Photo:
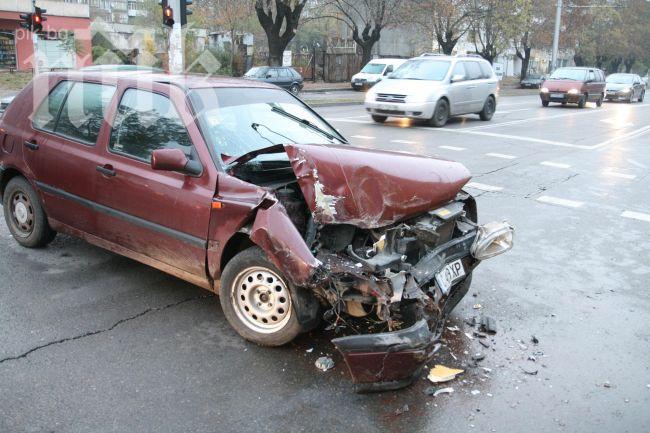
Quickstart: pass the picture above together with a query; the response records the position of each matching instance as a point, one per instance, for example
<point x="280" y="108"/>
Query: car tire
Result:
<point x="599" y="102"/>
<point x="440" y="114"/>
<point x="641" y="96"/>
<point x="25" y="216"/>
<point x="295" y="89"/>
<point x="544" y="103"/>
<point x="378" y="119"/>
<point x="582" y="101"/>
<point x="257" y="300"/>
<point x="489" y="107"/>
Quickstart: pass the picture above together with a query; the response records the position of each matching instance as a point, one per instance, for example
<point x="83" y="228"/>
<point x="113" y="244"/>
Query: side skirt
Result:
<point x="110" y="246"/>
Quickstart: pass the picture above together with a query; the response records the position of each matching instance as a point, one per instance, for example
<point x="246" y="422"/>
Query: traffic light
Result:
<point x="37" y="19"/>
<point x="185" y="11"/>
<point x="26" y="21"/>
<point x="168" y="13"/>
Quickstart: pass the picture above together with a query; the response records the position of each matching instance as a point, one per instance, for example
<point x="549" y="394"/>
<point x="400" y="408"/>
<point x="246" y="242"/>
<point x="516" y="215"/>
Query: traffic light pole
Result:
<point x="35" y="42"/>
<point x="176" y="60"/>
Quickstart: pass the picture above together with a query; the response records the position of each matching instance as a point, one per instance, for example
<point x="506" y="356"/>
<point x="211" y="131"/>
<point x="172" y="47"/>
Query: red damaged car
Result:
<point x="240" y="188"/>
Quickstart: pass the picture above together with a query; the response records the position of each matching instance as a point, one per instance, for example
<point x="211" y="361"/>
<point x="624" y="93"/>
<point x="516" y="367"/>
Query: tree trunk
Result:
<point x="629" y="62"/>
<point x="525" y="61"/>
<point x="284" y="17"/>
<point x="578" y="59"/>
<point x="366" y="40"/>
<point x="366" y="53"/>
<point x="233" y="50"/>
<point x="447" y="42"/>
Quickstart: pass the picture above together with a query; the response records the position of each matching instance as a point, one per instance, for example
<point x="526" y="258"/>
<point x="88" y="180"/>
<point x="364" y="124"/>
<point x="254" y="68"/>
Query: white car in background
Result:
<point x="374" y="71"/>
<point x="434" y="88"/>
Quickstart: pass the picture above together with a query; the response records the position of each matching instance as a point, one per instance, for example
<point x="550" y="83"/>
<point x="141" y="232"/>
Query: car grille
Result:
<point x="390" y="97"/>
<point x="393" y="112"/>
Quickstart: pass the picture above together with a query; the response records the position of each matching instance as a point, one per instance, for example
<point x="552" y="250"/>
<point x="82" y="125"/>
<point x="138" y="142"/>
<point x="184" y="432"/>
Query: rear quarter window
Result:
<point x="473" y="70"/>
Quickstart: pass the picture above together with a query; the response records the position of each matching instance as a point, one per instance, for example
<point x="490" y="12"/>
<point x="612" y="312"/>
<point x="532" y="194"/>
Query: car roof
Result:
<point x="144" y="78"/>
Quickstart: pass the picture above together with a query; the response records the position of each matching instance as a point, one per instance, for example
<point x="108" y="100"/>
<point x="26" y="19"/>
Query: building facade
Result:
<point x="64" y="43"/>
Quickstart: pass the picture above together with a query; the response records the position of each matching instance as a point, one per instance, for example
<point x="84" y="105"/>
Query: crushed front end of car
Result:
<point x="386" y="242"/>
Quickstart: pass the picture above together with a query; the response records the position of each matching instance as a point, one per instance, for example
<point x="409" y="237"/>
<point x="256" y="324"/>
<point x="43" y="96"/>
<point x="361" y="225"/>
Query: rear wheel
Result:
<point x="294" y="89"/>
<point x="440" y="114"/>
<point x="599" y="102"/>
<point x="25" y="216"/>
<point x="582" y="101"/>
<point x="257" y="301"/>
<point x="378" y="119"/>
<point x="641" y="96"/>
<point x="488" y="108"/>
<point x="544" y="103"/>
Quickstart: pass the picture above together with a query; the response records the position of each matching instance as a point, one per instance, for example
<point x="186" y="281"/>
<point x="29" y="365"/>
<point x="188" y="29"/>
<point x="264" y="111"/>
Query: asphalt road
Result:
<point x="91" y="341"/>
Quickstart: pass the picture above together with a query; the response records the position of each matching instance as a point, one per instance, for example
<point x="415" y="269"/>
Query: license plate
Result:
<point x="388" y="107"/>
<point x="557" y="95"/>
<point x="451" y="273"/>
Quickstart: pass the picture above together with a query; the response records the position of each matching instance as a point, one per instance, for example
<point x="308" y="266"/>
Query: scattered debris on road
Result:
<point x="324" y="363"/>
<point x="534" y="340"/>
<point x="401" y="410"/>
<point x="478" y="356"/>
<point x="475" y="392"/>
<point x="488" y="325"/>
<point x="440" y="373"/>
<point x="443" y="391"/>
<point x="530" y="370"/>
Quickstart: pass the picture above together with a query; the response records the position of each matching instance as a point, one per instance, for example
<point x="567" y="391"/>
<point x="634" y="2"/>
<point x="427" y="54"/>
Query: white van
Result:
<point x="373" y="72"/>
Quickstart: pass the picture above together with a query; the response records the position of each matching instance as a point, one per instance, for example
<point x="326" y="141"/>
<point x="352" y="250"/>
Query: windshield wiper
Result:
<point x="234" y="161"/>
<point x="305" y="122"/>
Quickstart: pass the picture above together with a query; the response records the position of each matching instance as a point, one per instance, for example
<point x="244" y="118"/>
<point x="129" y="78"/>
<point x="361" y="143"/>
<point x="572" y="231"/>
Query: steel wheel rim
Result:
<point x="441" y="112"/>
<point x="261" y="300"/>
<point x="490" y="106"/>
<point x="22" y="213"/>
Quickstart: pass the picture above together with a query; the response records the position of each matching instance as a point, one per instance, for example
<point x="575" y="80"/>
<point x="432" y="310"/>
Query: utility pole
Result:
<point x="556" y="35"/>
<point x="176" y="60"/>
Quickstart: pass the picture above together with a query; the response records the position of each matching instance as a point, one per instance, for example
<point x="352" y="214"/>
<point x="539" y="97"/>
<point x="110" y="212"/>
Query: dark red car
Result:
<point x="574" y="86"/>
<point x="240" y="188"/>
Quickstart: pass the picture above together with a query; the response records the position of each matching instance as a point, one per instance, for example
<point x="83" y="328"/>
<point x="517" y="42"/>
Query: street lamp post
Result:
<point x="556" y="35"/>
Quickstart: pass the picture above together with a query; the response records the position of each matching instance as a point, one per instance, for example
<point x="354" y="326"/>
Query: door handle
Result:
<point x="30" y="144"/>
<point x="471" y="87"/>
<point x="106" y="170"/>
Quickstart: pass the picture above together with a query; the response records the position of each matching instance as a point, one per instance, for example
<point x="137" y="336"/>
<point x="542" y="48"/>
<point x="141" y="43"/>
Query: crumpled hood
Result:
<point x="371" y="188"/>
<point x="562" y="85"/>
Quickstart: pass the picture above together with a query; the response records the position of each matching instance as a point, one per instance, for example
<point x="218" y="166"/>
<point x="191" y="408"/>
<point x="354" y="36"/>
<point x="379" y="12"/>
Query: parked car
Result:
<point x="574" y="86"/>
<point x="240" y="188"/>
<point x="282" y="76"/>
<point x="5" y="101"/>
<point x="624" y="87"/>
<point x="373" y="72"/>
<point x="434" y="88"/>
<point x="532" y="81"/>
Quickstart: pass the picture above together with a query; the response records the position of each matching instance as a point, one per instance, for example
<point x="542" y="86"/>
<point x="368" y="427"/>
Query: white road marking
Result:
<point x="617" y="124"/>
<point x="344" y="120"/>
<point x="554" y="164"/>
<point x="511" y="111"/>
<point x="457" y="149"/>
<point x="483" y="187"/>
<point x="404" y="141"/>
<point x="636" y="215"/>
<point x="362" y="137"/>
<point x="611" y="172"/>
<point x="501" y="155"/>
<point x="559" y="201"/>
<point x="518" y="138"/>
<point x="630" y="135"/>
<point x="637" y="163"/>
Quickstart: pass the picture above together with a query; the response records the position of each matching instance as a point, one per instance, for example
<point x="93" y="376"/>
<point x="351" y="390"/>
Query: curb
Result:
<point x="331" y="104"/>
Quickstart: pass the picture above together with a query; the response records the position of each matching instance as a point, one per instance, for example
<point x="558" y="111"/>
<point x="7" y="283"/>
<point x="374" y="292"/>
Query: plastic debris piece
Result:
<point x="607" y="385"/>
<point x="468" y="335"/>
<point x="310" y="350"/>
<point x="529" y="370"/>
<point x="401" y="410"/>
<point x="477" y="306"/>
<point x="484" y="343"/>
<point x="443" y="391"/>
<point x="534" y="340"/>
<point x="440" y="373"/>
<point x="488" y="325"/>
<point x="324" y="363"/>
<point x="453" y="328"/>
<point x="475" y="392"/>
<point x="430" y="390"/>
<point x="478" y="356"/>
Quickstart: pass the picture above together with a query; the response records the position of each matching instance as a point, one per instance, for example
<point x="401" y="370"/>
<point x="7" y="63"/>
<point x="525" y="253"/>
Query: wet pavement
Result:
<point x="92" y="341"/>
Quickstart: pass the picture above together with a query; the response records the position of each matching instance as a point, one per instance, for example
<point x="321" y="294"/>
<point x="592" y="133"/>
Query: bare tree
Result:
<point x="494" y="24"/>
<point x="279" y="19"/>
<point x="536" y="30"/>
<point x="366" y="19"/>
<point x="445" y="20"/>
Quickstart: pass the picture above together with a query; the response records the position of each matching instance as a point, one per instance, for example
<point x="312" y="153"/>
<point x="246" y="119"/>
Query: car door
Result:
<point x="285" y="78"/>
<point x="593" y="85"/>
<point x="478" y="89"/>
<point x="459" y="90"/>
<point x="272" y="76"/>
<point x="163" y="215"/>
<point x="66" y="147"/>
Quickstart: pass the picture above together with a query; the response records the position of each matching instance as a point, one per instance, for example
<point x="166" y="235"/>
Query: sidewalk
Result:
<point x="321" y="86"/>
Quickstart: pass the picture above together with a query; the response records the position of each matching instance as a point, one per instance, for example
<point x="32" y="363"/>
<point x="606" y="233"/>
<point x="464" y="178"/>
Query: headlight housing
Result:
<point x="573" y="91"/>
<point x="626" y="90"/>
<point x="544" y="90"/>
<point x="493" y="239"/>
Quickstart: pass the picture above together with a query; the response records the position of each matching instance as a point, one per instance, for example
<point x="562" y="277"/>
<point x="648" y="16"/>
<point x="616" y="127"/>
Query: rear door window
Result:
<point x="284" y="73"/>
<point x="146" y="121"/>
<point x="272" y="73"/>
<point x="473" y="70"/>
<point x="459" y="69"/>
<point x="83" y="111"/>
<point x="47" y="113"/>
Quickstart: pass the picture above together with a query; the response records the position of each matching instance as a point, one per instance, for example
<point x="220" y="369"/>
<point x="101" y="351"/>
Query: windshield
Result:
<point x="620" y="79"/>
<point x="434" y="70"/>
<point x="237" y="121"/>
<point x="256" y="72"/>
<point x="373" y="68"/>
<point x="569" y="74"/>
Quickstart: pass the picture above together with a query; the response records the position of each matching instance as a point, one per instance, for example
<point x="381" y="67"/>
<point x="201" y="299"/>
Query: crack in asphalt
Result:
<point x="496" y="170"/>
<point x="100" y="331"/>
<point x="546" y="187"/>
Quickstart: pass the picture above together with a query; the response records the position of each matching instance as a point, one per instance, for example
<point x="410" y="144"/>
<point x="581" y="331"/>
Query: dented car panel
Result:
<point x="371" y="188"/>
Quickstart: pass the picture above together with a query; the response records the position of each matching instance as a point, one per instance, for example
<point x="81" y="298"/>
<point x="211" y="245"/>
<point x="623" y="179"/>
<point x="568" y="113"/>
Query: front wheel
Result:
<point x="440" y="114"/>
<point x="641" y="96"/>
<point x="295" y="89"/>
<point x="256" y="300"/>
<point x="599" y="102"/>
<point x="544" y="103"/>
<point x="25" y="216"/>
<point x="488" y="108"/>
<point x="378" y="119"/>
<point x="582" y="101"/>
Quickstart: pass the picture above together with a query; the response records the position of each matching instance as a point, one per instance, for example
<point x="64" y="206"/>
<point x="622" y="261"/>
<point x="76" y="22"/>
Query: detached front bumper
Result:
<point x="392" y="360"/>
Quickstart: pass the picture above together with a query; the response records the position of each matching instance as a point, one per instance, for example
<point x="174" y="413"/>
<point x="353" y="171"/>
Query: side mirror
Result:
<point x="268" y="75"/>
<point x="174" y="160"/>
<point x="457" y="77"/>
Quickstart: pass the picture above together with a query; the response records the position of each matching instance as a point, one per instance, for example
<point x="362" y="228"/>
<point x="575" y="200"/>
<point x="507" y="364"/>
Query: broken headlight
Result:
<point x="493" y="239"/>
